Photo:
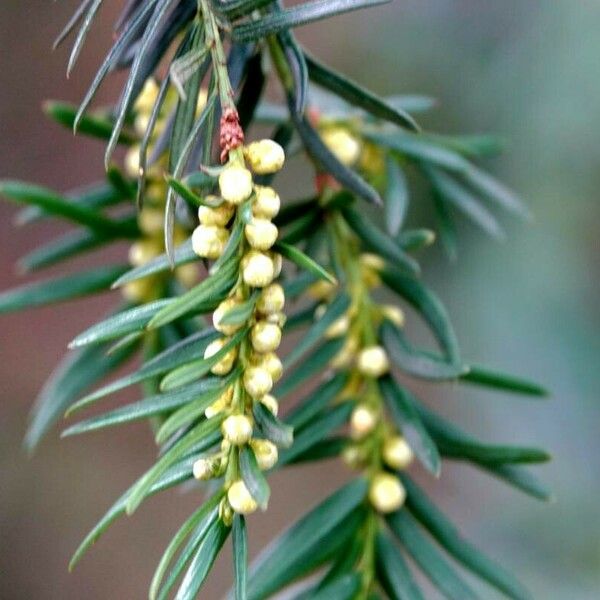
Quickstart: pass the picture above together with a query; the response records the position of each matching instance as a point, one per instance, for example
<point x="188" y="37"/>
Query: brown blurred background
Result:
<point x="525" y="70"/>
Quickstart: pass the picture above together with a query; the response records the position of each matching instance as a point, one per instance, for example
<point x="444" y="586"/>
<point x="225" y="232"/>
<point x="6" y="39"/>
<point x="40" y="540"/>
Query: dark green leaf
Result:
<point x="450" y="539"/>
<point x="318" y="399"/>
<point x="429" y="307"/>
<point x="329" y="448"/>
<point x="493" y="190"/>
<point x="240" y="557"/>
<point x="98" y="126"/>
<point x="240" y="8"/>
<point x="240" y="313"/>
<point x="479" y="375"/>
<point x="253" y="478"/>
<point x="416" y="362"/>
<point x="521" y="479"/>
<point x="203" y="560"/>
<point x="401" y="405"/>
<point x="72" y="244"/>
<point x="334" y="311"/>
<point x="304" y="262"/>
<point x="179" y="354"/>
<point x="395" y="197"/>
<point x="310" y="366"/>
<point x="426" y="555"/>
<point x="316" y="431"/>
<point x="272" y="428"/>
<point x="273" y="568"/>
<point x="446" y="226"/>
<point x="201" y="515"/>
<point x="355" y="94"/>
<point x="343" y="588"/>
<point x="172" y="477"/>
<point x="393" y="571"/>
<point x="121" y="184"/>
<point x="77" y="371"/>
<point x="148" y="407"/>
<point x="415" y="239"/>
<point x="183" y="254"/>
<point x="454" y="443"/>
<point x="420" y="149"/>
<point x="198" y="434"/>
<point x="57" y="290"/>
<point x="186" y="414"/>
<point x="128" y="321"/>
<point x="213" y="288"/>
<point x="453" y="192"/>
<point x="294" y="17"/>
<point x="327" y="162"/>
<point x="377" y="240"/>
<point x="50" y="202"/>
<point x="196" y="369"/>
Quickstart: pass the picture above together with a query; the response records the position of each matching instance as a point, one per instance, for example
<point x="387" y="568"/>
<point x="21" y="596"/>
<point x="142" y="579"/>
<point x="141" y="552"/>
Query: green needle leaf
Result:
<point x="401" y="405"/>
<point x="426" y="555"/>
<point x="299" y="15"/>
<point x="334" y="311"/>
<point x="253" y="478"/>
<point x="59" y="289"/>
<point x="273" y="429"/>
<point x="240" y="557"/>
<point x="483" y="376"/>
<point x="394" y="572"/>
<point x="304" y="262"/>
<point x="450" y="539"/>
<point x="355" y="94"/>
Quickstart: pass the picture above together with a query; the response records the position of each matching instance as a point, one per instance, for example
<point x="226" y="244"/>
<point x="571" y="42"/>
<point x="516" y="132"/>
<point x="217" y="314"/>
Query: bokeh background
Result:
<point x="527" y="70"/>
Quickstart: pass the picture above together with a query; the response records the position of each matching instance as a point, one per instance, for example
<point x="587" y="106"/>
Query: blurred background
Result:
<point x="525" y="70"/>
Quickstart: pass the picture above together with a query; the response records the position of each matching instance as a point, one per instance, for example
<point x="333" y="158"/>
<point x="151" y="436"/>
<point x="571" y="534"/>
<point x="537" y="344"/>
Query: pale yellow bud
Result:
<point x="373" y="361"/>
<point x="257" y="381"/>
<point x="342" y="144"/>
<point x="265" y="337"/>
<point x="372" y="261"/>
<point x="271" y="299"/>
<point x="386" y="493"/>
<point x="156" y="192"/>
<point x="140" y="123"/>
<point x="372" y="159"/>
<point x="226" y="513"/>
<point x="321" y="290"/>
<point x="240" y="499"/>
<point x="208" y="241"/>
<point x="271" y="403"/>
<point x="362" y="421"/>
<point x="147" y="97"/>
<point x="237" y="429"/>
<point x="393" y="313"/>
<point x="220" y="404"/>
<point x="235" y="184"/>
<point x="397" y="453"/>
<point x="140" y="290"/>
<point x="270" y="361"/>
<point x="188" y="275"/>
<point x="338" y="328"/>
<point x="261" y="233"/>
<point x="226" y="363"/>
<point x="266" y="203"/>
<point x="220" y="312"/>
<point x="205" y="468"/>
<point x="346" y="355"/>
<point x="219" y="216"/>
<point x="353" y="456"/>
<point x="132" y="161"/>
<point x="277" y="263"/>
<point x="266" y="453"/>
<point x="143" y="251"/>
<point x="265" y="156"/>
<point x="151" y="220"/>
<point x="258" y="269"/>
<point x="277" y="318"/>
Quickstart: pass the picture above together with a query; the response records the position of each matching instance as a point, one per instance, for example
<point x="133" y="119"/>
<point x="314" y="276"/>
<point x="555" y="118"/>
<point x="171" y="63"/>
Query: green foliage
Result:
<point x="342" y="241"/>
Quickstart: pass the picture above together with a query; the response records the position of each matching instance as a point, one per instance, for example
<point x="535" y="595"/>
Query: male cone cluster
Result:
<point x="241" y="199"/>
